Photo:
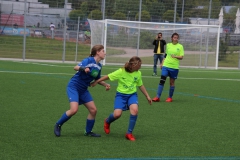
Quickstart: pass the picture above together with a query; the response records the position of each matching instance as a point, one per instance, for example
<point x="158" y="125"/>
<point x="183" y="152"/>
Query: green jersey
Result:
<point x="177" y="50"/>
<point x="127" y="82"/>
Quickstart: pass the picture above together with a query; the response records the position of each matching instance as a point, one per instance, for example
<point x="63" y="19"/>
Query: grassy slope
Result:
<point x="48" y="49"/>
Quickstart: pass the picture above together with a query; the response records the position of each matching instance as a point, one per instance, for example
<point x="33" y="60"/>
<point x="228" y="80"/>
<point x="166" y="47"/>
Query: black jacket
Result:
<point x="162" y="44"/>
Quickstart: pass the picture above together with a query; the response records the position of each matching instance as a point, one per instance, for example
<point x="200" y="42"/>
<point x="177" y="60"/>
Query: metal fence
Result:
<point x="37" y="20"/>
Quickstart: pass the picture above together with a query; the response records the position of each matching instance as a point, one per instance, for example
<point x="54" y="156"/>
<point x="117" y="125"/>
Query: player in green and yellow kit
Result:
<point x="170" y="67"/>
<point x="129" y="78"/>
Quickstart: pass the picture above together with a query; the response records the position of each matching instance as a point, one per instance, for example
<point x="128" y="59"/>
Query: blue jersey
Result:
<point x="82" y="80"/>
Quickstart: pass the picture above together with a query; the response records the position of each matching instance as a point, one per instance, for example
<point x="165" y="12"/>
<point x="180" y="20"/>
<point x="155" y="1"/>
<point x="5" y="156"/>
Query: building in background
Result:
<point x="12" y="12"/>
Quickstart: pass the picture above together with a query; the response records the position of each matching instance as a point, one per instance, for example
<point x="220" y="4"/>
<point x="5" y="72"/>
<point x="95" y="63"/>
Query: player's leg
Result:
<point x="155" y="59"/>
<point x="91" y="119"/>
<point x="119" y="106"/>
<point x="92" y="109"/>
<point x="162" y="81"/>
<point x="74" y="102"/>
<point x="133" y="107"/>
<point x="173" y="73"/>
<point x="69" y="113"/>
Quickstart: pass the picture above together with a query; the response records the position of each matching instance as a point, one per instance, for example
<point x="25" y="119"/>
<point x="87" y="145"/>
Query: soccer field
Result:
<point x="202" y="122"/>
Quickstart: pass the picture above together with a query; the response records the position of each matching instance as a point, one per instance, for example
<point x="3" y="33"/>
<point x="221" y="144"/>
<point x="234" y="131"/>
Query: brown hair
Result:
<point x="132" y="63"/>
<point x="96" y="49"/>
<point x="175" y="34"/>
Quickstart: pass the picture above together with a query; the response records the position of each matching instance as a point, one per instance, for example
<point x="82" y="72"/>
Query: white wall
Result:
<point x="204" y="21"/>
<point x="33" y="7"/>
<point x="32" y="1"/>
<point x="53" y="11"/>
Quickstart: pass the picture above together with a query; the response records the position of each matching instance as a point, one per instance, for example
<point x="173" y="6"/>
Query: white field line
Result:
<point x="215" y="79"/>
<point x="16" y="72"/>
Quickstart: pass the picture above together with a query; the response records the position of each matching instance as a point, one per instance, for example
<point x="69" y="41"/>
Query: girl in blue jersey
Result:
<point x="129" y="78"/>
<point x="77" y="90"/>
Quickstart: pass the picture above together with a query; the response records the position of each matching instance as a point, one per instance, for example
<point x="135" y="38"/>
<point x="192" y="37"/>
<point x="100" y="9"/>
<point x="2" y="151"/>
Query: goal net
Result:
<point x="124" y="39"/>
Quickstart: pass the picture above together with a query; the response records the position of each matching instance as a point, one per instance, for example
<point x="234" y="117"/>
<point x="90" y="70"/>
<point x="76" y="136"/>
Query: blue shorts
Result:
<point x="170" y="72"/>
<point x="123" y="101"/>
<point x="81" y="97"/>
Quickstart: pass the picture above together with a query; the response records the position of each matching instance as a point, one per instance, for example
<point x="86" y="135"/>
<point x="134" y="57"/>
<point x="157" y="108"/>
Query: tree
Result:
<point x="131" y="8"/>
<point x="93" y="5"/>
<point x="145" y="39"/>
<point x="215" y="8"/>
<point x="168" y="16"/>
<point x="109" y="8"/>
<point x="145" y="16"/>
<point x="119" y="16"/>
<point x="95" y="14"/>
<point x="156" y="9"/>
<point x="187" y="15"/>
<point x="84" y="8"/>
<point x="74" y="14"/>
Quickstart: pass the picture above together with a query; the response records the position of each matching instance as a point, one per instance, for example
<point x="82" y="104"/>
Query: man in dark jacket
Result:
<point x="158" y="52"/>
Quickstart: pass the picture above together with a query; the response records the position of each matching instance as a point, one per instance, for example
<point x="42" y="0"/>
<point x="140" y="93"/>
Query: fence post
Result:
<point x="239" y="60"/>
<point x="77" y="40"/>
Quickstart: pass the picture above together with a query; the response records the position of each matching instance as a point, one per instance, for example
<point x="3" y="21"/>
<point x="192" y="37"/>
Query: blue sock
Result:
<point x="89" y="125"/>
<point x="63" y="119"/>
<point x="159" y="91"/>
<point x="110" y="119"/>
<point x="132" y="122"/>
<point x="171" y="90"/>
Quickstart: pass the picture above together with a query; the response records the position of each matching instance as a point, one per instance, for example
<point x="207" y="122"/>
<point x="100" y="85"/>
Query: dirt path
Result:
<point x="148" y="52"/>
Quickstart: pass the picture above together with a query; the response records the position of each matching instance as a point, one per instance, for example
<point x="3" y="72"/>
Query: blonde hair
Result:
<point x="134" y="61"/>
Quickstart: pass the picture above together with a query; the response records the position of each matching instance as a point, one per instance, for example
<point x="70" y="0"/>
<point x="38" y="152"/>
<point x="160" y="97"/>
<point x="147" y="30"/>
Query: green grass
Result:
<point x="202" y="121"/>
<point x="49" y="49"/>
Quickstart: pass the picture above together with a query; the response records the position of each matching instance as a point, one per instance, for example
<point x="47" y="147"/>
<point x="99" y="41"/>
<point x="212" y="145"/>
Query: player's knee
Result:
<point x="162" y="80"/>
<point x="73" y="111"/>
<point x="93" y="111"/>
<point x="134" y="109"/>
<point x="117" y="114"/>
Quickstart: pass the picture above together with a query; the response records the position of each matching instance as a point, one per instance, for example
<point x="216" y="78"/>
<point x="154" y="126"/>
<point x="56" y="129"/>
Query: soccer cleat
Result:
<point x="91" y="134"/>
<point x="57" y="130"/>
<point x="156" y="99"/>
<point x="154" y="74"/>
<point x="169" y="99"/>
<point x="130" y="137"/>
<point x="106" y="127"/>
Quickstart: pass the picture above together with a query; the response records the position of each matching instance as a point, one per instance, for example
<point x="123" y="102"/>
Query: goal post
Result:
<point x="124" y="39"/>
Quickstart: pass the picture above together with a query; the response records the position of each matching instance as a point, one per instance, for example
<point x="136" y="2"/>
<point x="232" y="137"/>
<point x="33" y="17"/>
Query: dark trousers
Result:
<point x="156" y="57"/>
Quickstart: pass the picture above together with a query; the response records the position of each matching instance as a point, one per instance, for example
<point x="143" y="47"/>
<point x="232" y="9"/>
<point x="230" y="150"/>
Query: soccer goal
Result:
<point x="124" y="39"/>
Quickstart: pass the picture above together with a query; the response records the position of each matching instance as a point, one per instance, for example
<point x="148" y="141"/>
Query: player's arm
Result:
<point x="100" y="81"/>
<point x="106" y="85"/>
<point x="81" y="68"/>
<point x="144" y="91"/>
<point x="178" y="57"/>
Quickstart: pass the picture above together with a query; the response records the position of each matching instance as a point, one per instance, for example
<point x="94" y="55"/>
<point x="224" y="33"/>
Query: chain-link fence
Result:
<point x="39" y="15"/>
